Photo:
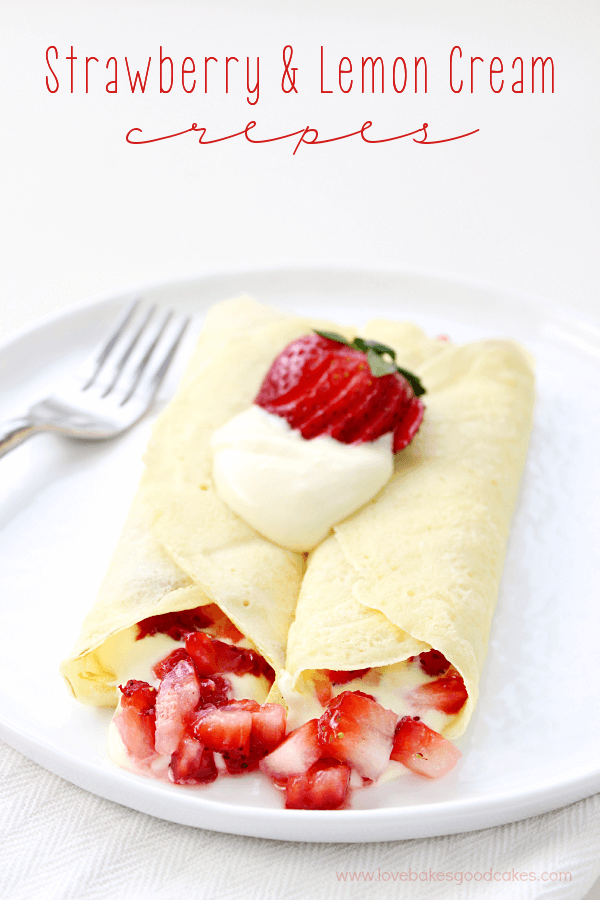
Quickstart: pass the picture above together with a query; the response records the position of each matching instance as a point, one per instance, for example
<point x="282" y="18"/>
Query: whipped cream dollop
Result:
<point x="290" y="489"/>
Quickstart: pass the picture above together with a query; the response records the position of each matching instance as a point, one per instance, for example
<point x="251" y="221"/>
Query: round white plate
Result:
<point x="534" y="741"/>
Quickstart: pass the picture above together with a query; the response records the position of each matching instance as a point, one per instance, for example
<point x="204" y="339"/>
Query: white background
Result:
<point x="83" y="213"/>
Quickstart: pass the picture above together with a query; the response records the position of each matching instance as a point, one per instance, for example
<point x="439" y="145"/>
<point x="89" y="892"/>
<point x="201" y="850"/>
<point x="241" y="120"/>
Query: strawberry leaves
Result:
<point x="376" y="354"/>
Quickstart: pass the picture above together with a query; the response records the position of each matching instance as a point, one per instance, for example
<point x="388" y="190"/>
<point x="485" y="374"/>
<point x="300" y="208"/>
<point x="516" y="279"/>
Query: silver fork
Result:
<point x="113" y="388"/>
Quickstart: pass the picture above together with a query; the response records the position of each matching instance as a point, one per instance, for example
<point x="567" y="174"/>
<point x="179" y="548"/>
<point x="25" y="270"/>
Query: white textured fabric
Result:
<point x="60" y="843"/>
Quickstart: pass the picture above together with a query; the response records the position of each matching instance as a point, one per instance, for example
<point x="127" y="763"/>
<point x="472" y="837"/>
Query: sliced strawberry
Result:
<point x="342" y="677"/>
<point x="136" y="719"/>
<point x="423" y="750"/>
<point x="322" y="386"/>
<point x="169" y="662"/>
<point x="224" y="729"/>
<point x="192" y="762"/>
<point x="175" y="624"/>
<point x="177" y="697"/>
<point x="268" y="725"/>
<point x="200" y="648"/>
<point x="410" y="423"/>
<point x="324" y="786"/>
<point x="357" y="730"/>
<point x="433" y="662"/>
<point x="448" y="694"/>
<point x="296" y="754"/>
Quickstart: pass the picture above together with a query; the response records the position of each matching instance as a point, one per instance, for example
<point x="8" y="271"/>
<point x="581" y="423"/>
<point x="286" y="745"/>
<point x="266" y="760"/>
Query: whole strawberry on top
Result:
<point x="354" y="392"/>
<point x="318" y="441"/>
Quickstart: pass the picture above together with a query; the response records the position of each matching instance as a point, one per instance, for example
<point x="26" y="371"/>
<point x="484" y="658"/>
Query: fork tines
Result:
<point x="136" y="355"/>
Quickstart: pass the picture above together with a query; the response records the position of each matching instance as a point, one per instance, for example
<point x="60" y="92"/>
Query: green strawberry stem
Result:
<point x="375" y="353"/>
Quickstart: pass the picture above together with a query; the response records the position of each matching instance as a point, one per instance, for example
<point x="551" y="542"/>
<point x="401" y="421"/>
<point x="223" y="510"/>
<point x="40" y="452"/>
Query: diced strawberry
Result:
<point x="268" y="725"/>
<point x="423" y="750"/>
<point x="136" y="719"/>
<point x="448" y="694"/>
<point x="324" y="786"/>
<point x="192" y="762"/>
<point x="249" y="705"/>
<point x="177" y="697"/>
<point x="357" y="730"/>
<point x="433" y="662"/>
<point x="138" y="695"/>
<point x="267" y="731"/>
<point x="224" y="729"/>
<point x="200" y="648"/>
<point x="240" y="762"/>
<point x="296" y="754"/>
<point x="175" y="624"/>
<point x="324" y="386"/>
<point x="222" y="626"/>
<point x="322" y="686"/>
<point x="241" y="661"/>
<point x="214" y="691"/>
<point x="343" y="677"/>
<point x="169" y="662"/>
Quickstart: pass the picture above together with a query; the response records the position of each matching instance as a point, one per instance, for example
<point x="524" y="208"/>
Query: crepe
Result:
<point x="419" y="567"/>
<point x="181" y="546"/>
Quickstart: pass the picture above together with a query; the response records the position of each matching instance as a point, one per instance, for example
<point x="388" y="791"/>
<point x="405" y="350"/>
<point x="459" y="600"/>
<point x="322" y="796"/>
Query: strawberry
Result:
<point x="200" y="648"/>
<point x="321" y="384"/>
<point x="241" y="661"/>
<point x="448" y="694"/>
<point x="222" y="626"/>
<point x="357" y="730"/>
<point x="223" y="729"/>
<point x="242" y="731"/>
<point x="136" y="720"/>
<point x="175" y="624"/>
<point x="214" y="691"/>
<point x="268" y="725"/>
<point x="433" y="662"/>
<point x="324" y="786"/>
<point x="192" y="763"/>
<point x="295" y="755"/>
<point x="169" y="662"/>
<point x="177" y="697"/>
<point x="342" y="676"/>
<point x="322" y="686"/>
<point x="423" y="750"/>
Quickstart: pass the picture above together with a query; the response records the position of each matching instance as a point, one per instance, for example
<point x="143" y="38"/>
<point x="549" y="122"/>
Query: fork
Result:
<point x="113" y="388"/>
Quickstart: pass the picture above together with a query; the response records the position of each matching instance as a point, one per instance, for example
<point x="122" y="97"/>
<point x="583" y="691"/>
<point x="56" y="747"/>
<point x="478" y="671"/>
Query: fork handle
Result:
<point x="15" y="431"/>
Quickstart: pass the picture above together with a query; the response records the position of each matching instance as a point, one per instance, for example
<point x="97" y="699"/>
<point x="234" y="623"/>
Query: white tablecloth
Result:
<point x="61" y="843"/>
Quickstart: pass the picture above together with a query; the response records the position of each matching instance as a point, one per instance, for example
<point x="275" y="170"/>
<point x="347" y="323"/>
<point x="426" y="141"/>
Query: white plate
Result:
<point x="534" y="742"/>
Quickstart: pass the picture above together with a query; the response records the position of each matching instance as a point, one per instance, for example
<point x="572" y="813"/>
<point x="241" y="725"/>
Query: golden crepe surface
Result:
<point x="417" y="567"/>
<point x="181" y="546"/>
<point x="420" y="565"/>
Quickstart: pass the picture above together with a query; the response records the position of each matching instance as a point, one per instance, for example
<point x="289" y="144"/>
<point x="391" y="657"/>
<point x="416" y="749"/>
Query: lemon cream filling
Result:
<point x="390" y="686"/>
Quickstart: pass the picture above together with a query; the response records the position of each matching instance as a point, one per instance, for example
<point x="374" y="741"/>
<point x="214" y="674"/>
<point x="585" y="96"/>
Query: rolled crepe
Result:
<point x="181" y="546"/>
<point x="419" y="567"/>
